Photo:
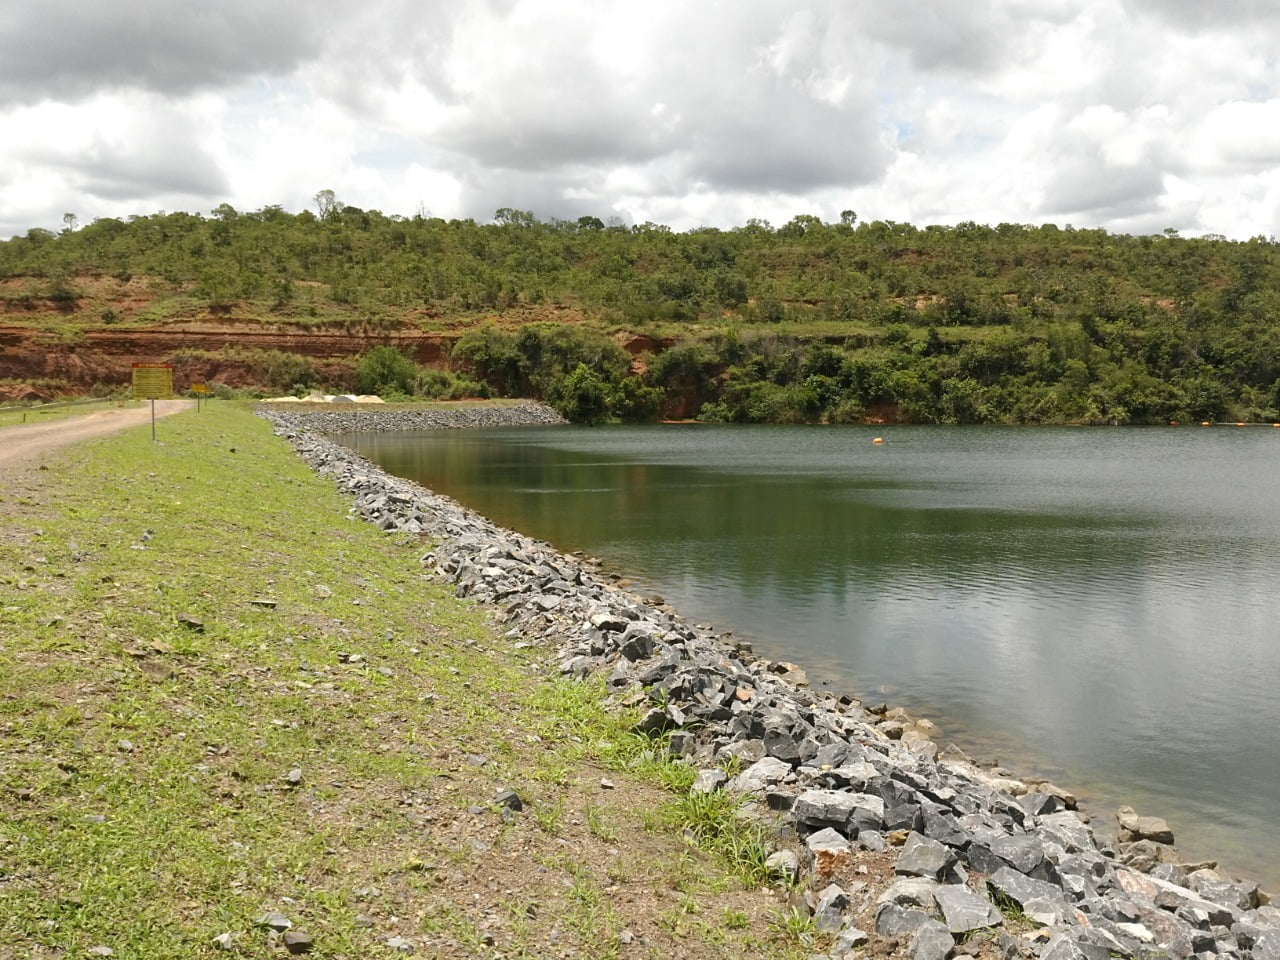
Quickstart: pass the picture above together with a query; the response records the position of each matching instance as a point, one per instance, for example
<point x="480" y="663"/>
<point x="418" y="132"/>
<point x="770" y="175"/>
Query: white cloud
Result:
<point x="1131" y="116"/>
<point x="1239" y="137"/>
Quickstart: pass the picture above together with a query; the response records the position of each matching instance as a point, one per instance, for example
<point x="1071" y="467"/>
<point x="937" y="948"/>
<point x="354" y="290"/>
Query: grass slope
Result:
<point x="221" y="695"/>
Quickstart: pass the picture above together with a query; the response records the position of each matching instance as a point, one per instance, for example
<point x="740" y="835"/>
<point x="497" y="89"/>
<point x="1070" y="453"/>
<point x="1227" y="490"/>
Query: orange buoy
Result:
<point x="1204" y="423"/>
<point x="1173" y="423"/>
<point x="878" y="440"/>
<point x="1239" y="424"/>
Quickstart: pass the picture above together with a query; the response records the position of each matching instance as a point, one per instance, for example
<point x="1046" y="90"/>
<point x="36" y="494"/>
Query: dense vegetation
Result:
<point x="807" y="321"/>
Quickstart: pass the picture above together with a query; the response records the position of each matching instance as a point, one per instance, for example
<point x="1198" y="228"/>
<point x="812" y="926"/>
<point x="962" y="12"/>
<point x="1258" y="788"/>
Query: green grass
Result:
<point x="714" y="822"/>
<point x="151" y="713"/>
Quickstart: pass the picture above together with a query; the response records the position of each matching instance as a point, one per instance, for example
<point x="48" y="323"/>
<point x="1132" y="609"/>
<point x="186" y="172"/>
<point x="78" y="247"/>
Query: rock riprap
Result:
<point x="976" y="850"/>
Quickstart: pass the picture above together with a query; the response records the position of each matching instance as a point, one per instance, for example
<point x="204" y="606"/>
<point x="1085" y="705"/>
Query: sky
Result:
<point x="1132" y="115"/>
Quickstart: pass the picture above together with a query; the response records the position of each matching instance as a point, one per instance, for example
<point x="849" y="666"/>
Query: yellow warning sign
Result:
<point x="152" y="381"/>
<point x="199" y="388"/>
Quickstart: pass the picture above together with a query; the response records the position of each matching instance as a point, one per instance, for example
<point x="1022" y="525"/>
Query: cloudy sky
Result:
<point x="1134" y="115"/>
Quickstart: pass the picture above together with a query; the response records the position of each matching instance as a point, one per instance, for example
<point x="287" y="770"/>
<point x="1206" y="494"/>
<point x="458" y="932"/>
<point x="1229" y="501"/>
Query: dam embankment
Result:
<point x="970" y="849"/>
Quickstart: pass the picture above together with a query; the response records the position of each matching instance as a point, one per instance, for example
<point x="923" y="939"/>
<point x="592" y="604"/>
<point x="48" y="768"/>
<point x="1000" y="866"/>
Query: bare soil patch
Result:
<point x="25" y="445"/>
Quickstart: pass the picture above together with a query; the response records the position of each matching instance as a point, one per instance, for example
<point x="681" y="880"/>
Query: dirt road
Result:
<point x="24" y="445"/>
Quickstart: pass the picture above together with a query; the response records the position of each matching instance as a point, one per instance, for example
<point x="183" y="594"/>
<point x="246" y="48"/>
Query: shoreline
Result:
<point x="846" y="781"/>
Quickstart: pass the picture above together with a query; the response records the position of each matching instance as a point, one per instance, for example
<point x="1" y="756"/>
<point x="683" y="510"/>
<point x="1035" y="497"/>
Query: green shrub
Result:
<point x="445" y="385"/>
<point x="283" y="371"/>
<point x="633" y="402"/>
<point x="385" y="371"/>
<point x="581" y="397"/>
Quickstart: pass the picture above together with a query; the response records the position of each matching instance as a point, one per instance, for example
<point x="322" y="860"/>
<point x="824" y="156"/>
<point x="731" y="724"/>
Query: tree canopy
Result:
<point x="803" y="321"/>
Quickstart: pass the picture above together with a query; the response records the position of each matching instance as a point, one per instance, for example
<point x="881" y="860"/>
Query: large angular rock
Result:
<point x="911" y="891"/>
<point x="708" y="781"/>
<point x="964" y="910"/>
<point x="782" y="744"/>
<point x="637" y="647"/>
<point x="868" y="812"/>
<point x="922" y="857"/>
<point x="941" y="826"/>
<point x="823" y="807"/>
<point x="895" y="920"/>
<point x="1041" y="901"/>
<point x="828" y="915"/>
<point x="1164" y="926"/>
<point x="762" y="774"/>
<point x="1145" y="855"/>
<point x="1266" y="946"/>
<point x="1134" y="827"/>
<point x="609" y="621"/>
<point x="1212" y="886"/>
<point x="1037" y="804"/>
<point x="848" y="941"/>
<point x="1024" y="854"/>
<point x="746" y="751"/>
<point x="1065" y="946"/>
<point x="1171" y="897"/>
<point x="1067" y="830"/>
<point x="904" y="816"/>
<point x="831" y="756"/>
<point x="784" y="864"/>
<point x="932" y="941"/>
<point x="851" y="776"/>
<point x="831" y="852"/>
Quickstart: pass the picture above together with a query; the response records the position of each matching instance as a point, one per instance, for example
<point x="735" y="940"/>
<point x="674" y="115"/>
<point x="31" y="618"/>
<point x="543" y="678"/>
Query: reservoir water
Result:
<point x="1099" y="606"/>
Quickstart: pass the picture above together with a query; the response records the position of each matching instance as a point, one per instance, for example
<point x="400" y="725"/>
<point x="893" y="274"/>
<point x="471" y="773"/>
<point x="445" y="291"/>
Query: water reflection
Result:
<point x="1102" y="601"/>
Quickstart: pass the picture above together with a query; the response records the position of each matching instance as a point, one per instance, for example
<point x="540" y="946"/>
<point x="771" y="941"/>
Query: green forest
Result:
<point x="805" y="321"/>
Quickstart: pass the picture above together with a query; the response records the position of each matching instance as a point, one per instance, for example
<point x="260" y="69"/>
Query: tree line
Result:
<point x="802" y="322"/>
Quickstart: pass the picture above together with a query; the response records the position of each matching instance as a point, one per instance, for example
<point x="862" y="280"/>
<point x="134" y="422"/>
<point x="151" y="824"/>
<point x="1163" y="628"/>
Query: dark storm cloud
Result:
<point x="968" y="37"/>
<point x="1226" y="15"/>
<point x="1089" y="185"/>
<point x="119" y="177"/>
<point x="557" y="113"/>
<point x="789" y="145"/>
<point x="68" y="49"/>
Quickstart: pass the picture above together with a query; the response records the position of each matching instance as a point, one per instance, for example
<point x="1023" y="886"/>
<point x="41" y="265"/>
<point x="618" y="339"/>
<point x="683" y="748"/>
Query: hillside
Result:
<point x="807" y="321"/>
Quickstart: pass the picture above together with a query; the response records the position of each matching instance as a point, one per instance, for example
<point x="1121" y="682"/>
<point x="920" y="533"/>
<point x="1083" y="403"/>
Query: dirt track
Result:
<point x="24" y="445"/>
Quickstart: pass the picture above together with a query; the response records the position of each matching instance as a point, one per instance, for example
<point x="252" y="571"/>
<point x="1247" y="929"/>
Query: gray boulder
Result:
<point x="911" y="891"/>
<point x="848" y="941"/>
<point x="964" y="910"/>
<point x="828" y="915"/>
<point x="922" y="857"/>
<point x="1266" y="945"/>
<point x="895" y="920"/>
<point x="823" y="807"/>
<point x="763" y="773"/>
<point x="830" y="851"/>
<point x="1134" y="827"/>
<point x="932" y="941"/>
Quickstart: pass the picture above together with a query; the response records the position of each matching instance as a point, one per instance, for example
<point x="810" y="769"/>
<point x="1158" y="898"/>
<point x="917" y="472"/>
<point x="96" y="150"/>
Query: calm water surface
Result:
<point x="1099" y="606"/>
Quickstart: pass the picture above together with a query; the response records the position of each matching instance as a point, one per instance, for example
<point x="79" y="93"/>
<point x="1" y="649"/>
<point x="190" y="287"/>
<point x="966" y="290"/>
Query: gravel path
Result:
<point x="26" y="444"/>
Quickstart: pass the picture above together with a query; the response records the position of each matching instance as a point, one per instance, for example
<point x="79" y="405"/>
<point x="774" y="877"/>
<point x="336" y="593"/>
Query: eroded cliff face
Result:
<point x="44" y="363"/>
<point x="227" y="354"/>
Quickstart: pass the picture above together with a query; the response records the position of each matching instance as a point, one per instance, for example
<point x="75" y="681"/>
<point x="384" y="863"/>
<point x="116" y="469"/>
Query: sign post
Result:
<point x="200" y="390"/>
<point x="152" y="381"/>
